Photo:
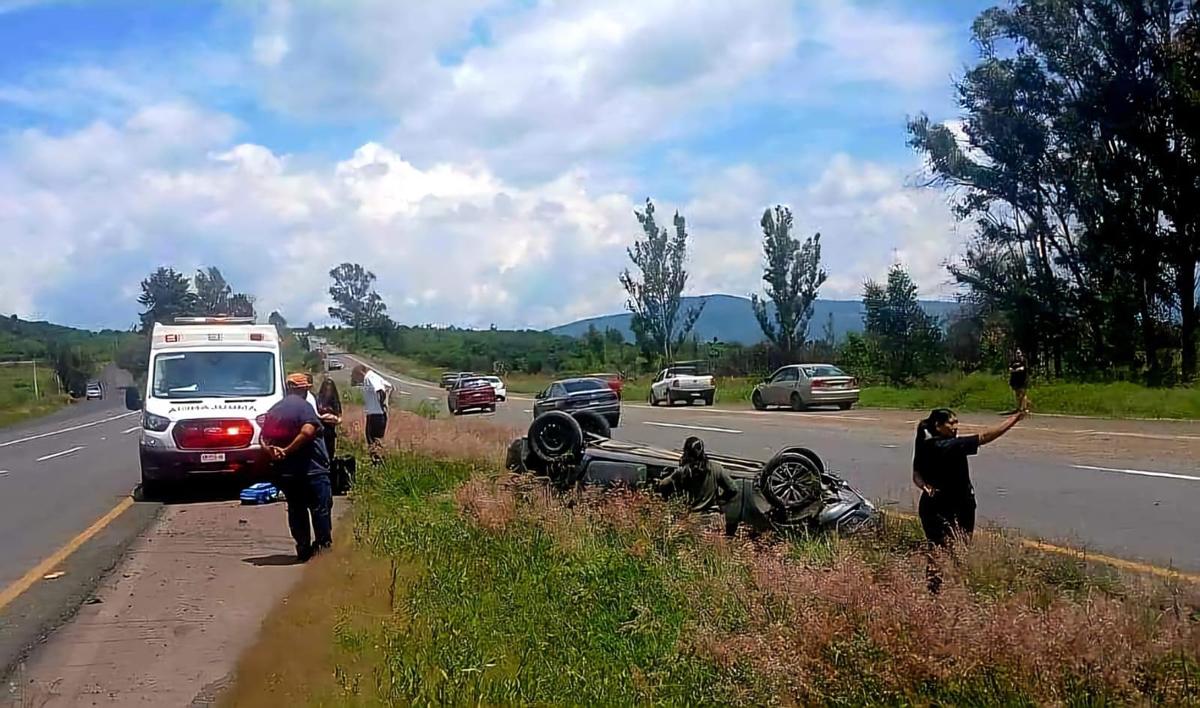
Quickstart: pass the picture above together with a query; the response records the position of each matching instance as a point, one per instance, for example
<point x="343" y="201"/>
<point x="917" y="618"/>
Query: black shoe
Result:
<point x="322" y="547"/>
<point x="303" y="555"/>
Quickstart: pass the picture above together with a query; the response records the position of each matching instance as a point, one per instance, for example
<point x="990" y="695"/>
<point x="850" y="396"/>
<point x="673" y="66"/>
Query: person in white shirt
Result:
<point x="376" y="391"/>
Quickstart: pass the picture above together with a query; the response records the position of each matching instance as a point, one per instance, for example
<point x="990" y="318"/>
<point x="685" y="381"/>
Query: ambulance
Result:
<point x="209" y="384"/>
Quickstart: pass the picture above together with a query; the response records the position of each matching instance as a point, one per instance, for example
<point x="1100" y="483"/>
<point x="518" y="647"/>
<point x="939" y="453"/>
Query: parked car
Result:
<point x="498" y="384"/>
<point x="793" y="492"/>
<point x="682" y="382"/>
<point x="614" y="381"/>
<point x="93" y="391"/>
<point x="578" y="394"/>
<point x="801" y="385"/>
<point x="471" y="392"/>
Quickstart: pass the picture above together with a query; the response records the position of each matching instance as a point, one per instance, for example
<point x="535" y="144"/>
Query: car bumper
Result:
<point x="175" y="465"/>
<point x="833" y="397"/>
<point x="611" y="412"/>
<point x="684" y="394"/>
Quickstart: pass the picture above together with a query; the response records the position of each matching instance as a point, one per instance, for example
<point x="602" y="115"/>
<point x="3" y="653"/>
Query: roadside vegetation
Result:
<point x="455" y="583"/>
<point x="17" y="399"/>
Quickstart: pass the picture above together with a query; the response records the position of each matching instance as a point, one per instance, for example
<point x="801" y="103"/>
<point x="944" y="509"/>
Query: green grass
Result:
<point x="17" y="402"/>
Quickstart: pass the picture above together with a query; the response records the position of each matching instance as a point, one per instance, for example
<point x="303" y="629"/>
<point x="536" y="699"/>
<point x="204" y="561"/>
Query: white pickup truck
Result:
<point x="682" y="383"/>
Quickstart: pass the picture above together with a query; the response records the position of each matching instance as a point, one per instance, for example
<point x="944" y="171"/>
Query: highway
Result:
<point x="1129" y="489"/>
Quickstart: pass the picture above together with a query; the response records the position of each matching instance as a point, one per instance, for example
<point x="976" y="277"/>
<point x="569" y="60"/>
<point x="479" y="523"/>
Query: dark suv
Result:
<point x="582" y="394"/>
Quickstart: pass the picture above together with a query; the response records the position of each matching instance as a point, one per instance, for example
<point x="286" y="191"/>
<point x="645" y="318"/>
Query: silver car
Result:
<point x="801" y="385"/>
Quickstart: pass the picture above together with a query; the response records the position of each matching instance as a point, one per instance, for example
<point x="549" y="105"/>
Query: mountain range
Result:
<point x="730" y="318"/>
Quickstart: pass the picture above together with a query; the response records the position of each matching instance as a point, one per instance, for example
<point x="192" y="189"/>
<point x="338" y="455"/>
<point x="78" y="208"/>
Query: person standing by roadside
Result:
<point x="1018" y="379"/>
<point x="376" y="391"/>
<point x="294" y="439"/>
<point x="329" y="409"/>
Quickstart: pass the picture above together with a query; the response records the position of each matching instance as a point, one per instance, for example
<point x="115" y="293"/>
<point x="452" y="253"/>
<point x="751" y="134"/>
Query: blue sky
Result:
<point x="482" y="157"/>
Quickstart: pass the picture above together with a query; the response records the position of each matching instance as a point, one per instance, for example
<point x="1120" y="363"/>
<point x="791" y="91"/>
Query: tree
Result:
<point x="356" y="304"/>
<point x="655" y="298"/>
<point x="1080" y="165"/>
<point x="793" y="275"/>
<point x="166" y="295"/>
<point x="277" y="320"/>
<point x="906" y="339"/>
<point x="241" y="305"/>
<point x="212" y="292"/>
<point x="72" y="367"/>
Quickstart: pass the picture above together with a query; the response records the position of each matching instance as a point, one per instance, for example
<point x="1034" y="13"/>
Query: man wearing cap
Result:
<point x="292" y="434"/>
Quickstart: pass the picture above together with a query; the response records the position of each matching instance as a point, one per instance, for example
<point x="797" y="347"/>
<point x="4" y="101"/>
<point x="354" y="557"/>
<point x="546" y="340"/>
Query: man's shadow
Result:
<point x="276" y="559"/>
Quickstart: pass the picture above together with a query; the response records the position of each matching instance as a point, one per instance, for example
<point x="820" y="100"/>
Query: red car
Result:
<point x="614" y="381"/>
<point x="470" y="393"/>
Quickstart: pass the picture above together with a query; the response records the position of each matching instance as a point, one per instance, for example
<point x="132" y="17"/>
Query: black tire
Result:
<point x="844" y="406"/>
<point x="790" y="481"/>
<point x="154" y="489"/>
<point x="708" y="400"/>
<point x="614" y="422"/>
<point x="812" y="456"/>
<point x="555" y="436"/>
<point x="757" y="401"/>
<point x="514" y="461"/>
<point x="797" y="402"/>
<point x="593" y="423"/>
<point x="653" y="400"/>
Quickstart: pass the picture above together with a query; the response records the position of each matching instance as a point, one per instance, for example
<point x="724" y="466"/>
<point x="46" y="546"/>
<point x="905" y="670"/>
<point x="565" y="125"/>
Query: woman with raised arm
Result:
<point x="942" y="473"/>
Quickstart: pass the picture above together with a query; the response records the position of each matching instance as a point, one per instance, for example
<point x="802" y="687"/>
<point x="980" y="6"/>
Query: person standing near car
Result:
<point x="293" y="434"/>
<point x="376" y="391"/>
<point x="1018" y="379"/>
<point x="329" y="409"/>
<point x="942" y="473"/>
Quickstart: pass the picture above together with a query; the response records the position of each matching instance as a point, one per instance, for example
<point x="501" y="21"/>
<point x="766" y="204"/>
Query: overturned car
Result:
<point x="791" y="492"/>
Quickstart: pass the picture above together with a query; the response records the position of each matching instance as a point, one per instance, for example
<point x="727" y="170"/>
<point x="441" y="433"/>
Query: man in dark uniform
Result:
<point x="293" y="435"/>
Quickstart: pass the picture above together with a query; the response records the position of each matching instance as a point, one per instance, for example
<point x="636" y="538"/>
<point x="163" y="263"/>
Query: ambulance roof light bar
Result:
<point x="214" y="320"/>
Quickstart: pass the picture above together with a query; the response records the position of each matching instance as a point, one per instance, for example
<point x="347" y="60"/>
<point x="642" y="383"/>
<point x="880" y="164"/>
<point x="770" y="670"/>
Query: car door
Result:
<point x="782" y="386"/>
<point x="804" y="383"/>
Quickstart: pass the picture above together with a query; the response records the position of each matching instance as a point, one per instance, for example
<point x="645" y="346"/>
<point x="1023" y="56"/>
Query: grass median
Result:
<point x="17" y="399"/>
<point x="456" y="583"/>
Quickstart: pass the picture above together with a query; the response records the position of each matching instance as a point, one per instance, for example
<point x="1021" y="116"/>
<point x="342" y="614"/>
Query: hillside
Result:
<point x="731" y="319"/>
<point x="22" y="339"/>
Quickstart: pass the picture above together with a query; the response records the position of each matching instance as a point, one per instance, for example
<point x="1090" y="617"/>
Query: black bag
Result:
<point x="341" y="473"/>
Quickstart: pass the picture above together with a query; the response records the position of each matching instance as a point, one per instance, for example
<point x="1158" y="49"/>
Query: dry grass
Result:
<point x="619" y="597"/>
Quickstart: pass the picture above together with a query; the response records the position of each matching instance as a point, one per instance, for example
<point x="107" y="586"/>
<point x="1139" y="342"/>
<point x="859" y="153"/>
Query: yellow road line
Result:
<point x="35" y="574"/>
<point x="1122" y="563"/>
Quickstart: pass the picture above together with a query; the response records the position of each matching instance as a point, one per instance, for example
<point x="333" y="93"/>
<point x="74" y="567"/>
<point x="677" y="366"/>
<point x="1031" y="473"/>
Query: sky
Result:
<point x="484" y="158"/>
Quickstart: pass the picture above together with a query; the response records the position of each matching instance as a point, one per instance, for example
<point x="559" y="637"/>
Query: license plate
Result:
<point x="212" y="457"/>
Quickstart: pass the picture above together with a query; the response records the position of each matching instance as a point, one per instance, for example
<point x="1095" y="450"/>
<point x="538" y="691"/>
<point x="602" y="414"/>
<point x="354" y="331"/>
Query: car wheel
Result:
<point x="844" y="406"/>
<point x="757" y="401"/>
<point x="154" y="489"/>
<point x="797" y="402"/>
<point x="791" y="481"/>
<point x="555" y="437"/>
<point x="593" y="423"/>
<point x="708" y="400"/>
<point x="652" y="400"/>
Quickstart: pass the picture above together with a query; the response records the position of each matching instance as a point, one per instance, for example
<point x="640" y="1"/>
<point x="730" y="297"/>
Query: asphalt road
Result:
<point x="1038" y="479"/>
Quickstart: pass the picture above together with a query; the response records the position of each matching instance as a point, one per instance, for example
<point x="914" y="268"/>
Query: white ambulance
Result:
<point x="209" y="383"/>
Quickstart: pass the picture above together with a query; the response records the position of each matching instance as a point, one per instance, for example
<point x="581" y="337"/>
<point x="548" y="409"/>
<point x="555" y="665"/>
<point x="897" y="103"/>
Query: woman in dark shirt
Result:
<point x="1018" y="379"/>
<point x="329" y="408"/>
<point x="941" y="472"/>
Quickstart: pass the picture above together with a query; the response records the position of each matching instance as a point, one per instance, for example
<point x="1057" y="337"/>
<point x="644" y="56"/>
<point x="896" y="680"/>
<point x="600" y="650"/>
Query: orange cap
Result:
<point x="298" y="381"/>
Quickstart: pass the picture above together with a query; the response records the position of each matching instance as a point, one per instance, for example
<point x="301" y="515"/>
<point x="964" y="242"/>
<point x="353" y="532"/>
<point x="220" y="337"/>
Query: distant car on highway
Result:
<point x="471" y="392"/>
<point x="614" y="381"/>
<point x="498" y="384"/>
<point x="801" y="385"/>
<point x="336" y="365"/>
<point x="94" y="391"/>
<point x="579" y="394"/>
<point x="682" y="382"/>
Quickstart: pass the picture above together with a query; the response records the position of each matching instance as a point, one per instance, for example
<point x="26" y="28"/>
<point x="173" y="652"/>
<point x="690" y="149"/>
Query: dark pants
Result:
<point x="376" y="427"/>
<point x="330" y="434"/>
<point x="942" y="517"/>
<point x="309" y="496"/>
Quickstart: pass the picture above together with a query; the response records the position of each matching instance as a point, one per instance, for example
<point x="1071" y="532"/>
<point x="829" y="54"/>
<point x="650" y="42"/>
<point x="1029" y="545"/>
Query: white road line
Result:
<point x="81" y="426"/>
<point x="3" y="472"/>
<point x="77" y="448"/>
<point x="1141" y="473"/>
<point x="781" y="415"/>
<point x="527" y="411"/>
<point x="695" y="427"/>
<point x="134" y="429"/>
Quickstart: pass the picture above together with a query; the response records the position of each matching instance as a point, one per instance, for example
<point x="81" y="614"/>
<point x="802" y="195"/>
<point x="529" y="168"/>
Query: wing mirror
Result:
<point x="133" y="400"/>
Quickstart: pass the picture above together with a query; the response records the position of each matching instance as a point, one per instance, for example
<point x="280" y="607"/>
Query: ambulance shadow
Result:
<point x="189" y="494"/>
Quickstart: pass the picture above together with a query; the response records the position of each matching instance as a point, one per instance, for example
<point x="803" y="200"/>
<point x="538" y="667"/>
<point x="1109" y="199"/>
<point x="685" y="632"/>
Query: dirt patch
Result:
<point x="173" y="617"/>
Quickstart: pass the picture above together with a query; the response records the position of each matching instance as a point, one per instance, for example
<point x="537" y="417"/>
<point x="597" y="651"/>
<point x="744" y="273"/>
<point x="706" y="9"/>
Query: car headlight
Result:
<point x="156" y="423"/>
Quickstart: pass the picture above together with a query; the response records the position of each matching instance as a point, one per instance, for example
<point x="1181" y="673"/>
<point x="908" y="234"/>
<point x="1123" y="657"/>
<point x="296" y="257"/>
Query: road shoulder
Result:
<point x="172" y="619"/>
